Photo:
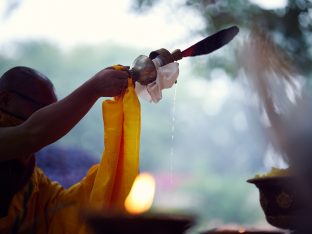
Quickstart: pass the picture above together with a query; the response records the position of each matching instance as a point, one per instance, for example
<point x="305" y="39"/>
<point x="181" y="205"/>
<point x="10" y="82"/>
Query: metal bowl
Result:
<point x="281" y="201"/>
<point x="138" y="224"/>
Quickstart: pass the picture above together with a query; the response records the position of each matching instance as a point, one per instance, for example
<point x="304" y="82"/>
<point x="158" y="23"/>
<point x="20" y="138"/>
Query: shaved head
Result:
<point x="24" y="90"/>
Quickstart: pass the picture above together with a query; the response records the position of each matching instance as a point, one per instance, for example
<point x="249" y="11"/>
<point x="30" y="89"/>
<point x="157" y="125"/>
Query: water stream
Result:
<point x="173" y="110"/>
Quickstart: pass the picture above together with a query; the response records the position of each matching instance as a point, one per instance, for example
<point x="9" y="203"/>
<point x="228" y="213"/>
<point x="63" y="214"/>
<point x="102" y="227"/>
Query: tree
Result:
<point x="290" y="26"/>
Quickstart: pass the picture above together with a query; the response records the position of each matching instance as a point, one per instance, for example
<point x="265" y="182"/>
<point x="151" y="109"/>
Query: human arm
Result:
<point x="50" y="123"/>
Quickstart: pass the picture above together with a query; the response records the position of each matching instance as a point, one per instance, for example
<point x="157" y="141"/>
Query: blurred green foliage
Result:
<point x="290" y="27"/>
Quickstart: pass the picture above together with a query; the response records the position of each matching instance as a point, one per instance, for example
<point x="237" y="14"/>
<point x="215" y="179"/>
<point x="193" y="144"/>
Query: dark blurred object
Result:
<point x="240" y="231"/>
<point x="281" y="201"/>
<point x="211" y="43"/>
<point x="139" y="224"/>
<point x="64" y="164"/>
<point x="287" y="104"/>
<point x="277" y="83"/>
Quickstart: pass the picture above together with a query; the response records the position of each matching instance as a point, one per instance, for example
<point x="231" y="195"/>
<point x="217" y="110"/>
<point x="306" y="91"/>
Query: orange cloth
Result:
<point x="43" y="206"/>
<point x="122" y="138"/>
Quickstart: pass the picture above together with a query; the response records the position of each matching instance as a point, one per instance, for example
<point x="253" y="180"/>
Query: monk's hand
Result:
<point x="110" y="82"/>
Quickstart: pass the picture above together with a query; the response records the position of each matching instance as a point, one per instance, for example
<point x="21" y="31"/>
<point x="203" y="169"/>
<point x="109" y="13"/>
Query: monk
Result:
<point x="31" y="118"/>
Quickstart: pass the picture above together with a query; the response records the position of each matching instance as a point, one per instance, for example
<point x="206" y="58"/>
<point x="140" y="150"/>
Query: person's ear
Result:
<point x="4" y="98"/>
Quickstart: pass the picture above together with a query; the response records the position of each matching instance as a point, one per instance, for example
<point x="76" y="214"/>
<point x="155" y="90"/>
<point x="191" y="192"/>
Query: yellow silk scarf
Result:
<point x="120" y="160"/>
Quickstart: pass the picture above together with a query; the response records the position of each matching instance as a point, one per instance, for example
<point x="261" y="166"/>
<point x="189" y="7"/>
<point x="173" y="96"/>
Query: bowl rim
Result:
<point x="270" y="179"/>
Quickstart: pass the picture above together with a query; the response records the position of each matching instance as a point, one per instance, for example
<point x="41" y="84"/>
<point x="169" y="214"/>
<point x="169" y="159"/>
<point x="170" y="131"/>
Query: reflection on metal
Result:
<point x="143" y="70"/>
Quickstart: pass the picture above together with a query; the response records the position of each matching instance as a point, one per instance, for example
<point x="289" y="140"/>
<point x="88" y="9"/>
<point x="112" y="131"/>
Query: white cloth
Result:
<point x="166" y="77"/>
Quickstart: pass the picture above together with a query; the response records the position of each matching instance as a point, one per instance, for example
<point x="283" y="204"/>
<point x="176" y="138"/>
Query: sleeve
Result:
<point x="60" y="209"/>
